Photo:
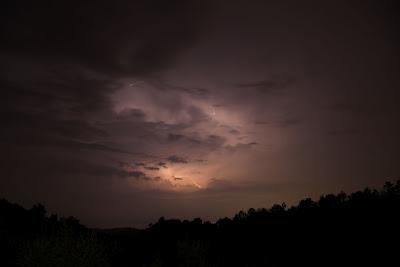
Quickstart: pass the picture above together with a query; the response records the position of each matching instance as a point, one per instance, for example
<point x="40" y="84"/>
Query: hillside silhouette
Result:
<point x="338" y="229"/>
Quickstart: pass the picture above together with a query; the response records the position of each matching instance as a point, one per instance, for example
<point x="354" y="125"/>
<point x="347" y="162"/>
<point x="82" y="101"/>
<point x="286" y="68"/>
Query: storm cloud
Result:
<point x="224" y="104"/>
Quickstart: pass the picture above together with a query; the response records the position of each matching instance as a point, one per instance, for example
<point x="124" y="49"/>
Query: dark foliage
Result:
<point x="30" y="238"/>
<point x="340" y="229"/>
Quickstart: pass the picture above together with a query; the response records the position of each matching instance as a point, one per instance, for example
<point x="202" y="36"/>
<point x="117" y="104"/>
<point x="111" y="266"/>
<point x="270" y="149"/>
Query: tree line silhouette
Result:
<point x="338" y="229"/>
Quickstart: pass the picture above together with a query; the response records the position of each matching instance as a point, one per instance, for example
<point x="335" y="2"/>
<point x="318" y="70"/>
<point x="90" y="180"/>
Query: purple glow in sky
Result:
<point x="120" y="113"/>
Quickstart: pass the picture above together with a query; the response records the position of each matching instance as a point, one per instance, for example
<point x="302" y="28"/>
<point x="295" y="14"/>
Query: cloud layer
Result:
<point x="119" y="113"/>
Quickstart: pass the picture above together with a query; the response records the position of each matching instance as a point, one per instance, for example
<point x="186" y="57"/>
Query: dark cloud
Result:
<point x="133" y="113"/>
<point x="177" y="159"/>
<point x="267" y="86"/>
<point x="162" y="164"/>
<point x="207" y="143"/>
<point x="240" y="147"/>
<point x="61" y="62"/>
<point x="119" y="36"/>
<point x="234" y="132"/>
<point x="136" y="174"/>
<point x="214" y="141"/>
<point x="151" y="168"/>
<point x="174" y="137"/>
<point x="192" y="91"/>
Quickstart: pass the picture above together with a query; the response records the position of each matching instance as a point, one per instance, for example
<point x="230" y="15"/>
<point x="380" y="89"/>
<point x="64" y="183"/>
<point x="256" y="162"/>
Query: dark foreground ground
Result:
<point x="356" y="229"/>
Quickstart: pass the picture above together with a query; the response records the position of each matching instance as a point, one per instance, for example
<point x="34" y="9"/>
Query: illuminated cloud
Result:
<point x="194" y="108"/>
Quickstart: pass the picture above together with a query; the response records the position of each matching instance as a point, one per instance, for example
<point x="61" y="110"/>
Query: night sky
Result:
<point x="120" y="112"/>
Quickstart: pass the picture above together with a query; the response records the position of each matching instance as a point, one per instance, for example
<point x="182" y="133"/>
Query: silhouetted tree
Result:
<point x="338" y="227"/>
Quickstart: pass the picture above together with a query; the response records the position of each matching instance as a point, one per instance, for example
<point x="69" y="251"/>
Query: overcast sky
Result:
<point x="120" y="112"/>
